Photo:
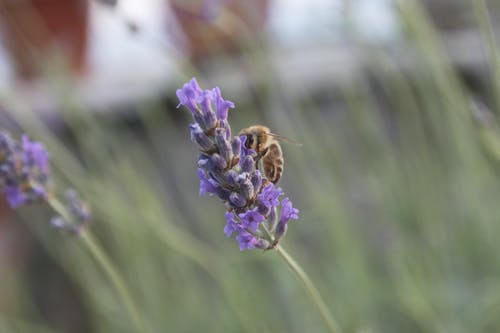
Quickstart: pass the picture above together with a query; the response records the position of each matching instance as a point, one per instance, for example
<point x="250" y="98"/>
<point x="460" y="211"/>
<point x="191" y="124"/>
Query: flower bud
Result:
<point x="206" y="185"/>
<point x="248" y="164"/>
<point x="223" y="145"/>
<point x="219" y="162"/>
<point x="241" y="178"/>
<point x="225" y="125"/>
<point x="272" y="218"/>
<point x="236" y="146"/>
<point x="209" y="118"/>
<point x="256" y="180"/>
<point x="231" y="177"/>
<point x="217" y="176"/>
<point x="200" y="138"/>
<point x="247" y="190"/>
<point x="281" y="229"/>
<point x="198" y="118"/>
<point x="237" y="200"/>
<point x="205" y="162"/>
<point x="223" y="193"/>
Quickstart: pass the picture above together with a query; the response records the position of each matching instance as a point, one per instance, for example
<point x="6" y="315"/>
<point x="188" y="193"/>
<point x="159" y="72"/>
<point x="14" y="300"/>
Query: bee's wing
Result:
<point x="284" y="139"/>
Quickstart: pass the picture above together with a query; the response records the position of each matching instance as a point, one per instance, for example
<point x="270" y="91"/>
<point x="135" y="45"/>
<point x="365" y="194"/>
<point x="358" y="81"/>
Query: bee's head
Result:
<point x="251" y="141"/>
<point x="256" y="135"/>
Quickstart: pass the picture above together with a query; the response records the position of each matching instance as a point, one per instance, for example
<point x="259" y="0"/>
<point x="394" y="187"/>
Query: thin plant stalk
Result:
<point x="105" y="262"/>
<point x="311" y="290"/>
<point x="489" y="38"/>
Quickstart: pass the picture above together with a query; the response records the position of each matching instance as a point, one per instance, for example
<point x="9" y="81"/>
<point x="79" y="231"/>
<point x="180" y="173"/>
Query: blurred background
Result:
<point x="397" y="181"/>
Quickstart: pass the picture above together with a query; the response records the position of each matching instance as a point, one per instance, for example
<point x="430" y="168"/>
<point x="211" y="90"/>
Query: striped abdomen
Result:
<point x="272" y="162"/>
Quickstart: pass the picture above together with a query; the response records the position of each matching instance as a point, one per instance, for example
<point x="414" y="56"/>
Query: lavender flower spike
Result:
<point x="25" y="179"/>
<point x="228" y="169"/>
<point x="24" y="170"/>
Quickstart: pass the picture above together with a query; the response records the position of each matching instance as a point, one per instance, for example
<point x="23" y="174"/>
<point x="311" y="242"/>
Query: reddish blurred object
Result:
<point x="219" y="26"/>
<point x="33" y="29"/>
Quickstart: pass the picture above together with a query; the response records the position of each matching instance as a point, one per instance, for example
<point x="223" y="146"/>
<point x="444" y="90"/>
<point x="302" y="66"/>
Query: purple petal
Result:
<point x="189" y="94"/>
<point x="35" y="153"/>
<point x="221" y="106"/>
<point x="232" y="225"/>
<point x="246" y="240"/>
<point x="206" y="186"/>
<point x="15" y="197"/>
<point x="269" y="196"/>
<point x="251" y="219"/>
<point x="288" y="212"/>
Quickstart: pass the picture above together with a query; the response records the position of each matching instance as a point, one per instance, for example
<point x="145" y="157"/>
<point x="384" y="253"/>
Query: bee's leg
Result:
<point x="259" y="157"/>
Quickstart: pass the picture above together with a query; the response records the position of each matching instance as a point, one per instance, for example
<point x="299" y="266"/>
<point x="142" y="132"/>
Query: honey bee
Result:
<point x="267" y="147"/>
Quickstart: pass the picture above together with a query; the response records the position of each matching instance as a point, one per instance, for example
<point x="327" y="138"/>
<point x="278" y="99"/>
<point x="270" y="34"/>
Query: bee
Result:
<point x="267" y="147"/>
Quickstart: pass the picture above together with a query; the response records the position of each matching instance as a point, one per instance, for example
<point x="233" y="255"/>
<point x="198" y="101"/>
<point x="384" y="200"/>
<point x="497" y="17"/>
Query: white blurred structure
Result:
<point x="131" y="55"/>
<point x="134" y="50"/>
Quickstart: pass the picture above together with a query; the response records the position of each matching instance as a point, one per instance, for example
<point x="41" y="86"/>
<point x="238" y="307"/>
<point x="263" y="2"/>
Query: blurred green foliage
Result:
<point x="398" y="186"/>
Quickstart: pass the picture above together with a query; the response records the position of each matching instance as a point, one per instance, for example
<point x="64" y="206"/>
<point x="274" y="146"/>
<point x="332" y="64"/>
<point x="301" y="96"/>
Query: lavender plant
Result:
<point x="228" y="168"/>
<point x="24" y="171"/>
<point x="25" y="178"/>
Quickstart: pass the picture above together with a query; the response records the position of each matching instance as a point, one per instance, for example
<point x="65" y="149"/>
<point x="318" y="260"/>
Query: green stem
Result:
<point x="311" y="290"/>
<point x="489" y="40"/>
<point x="105" y="262"/>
